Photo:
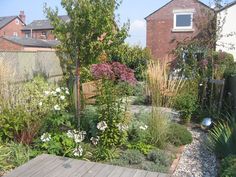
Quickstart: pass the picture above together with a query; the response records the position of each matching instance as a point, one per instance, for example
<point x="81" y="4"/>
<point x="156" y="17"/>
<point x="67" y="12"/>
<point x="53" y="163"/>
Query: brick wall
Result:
<point x="161" y="40"/>
<point x="37" y="34"/>
<point x="7" y="45"/>
<point x="12" y="27"/>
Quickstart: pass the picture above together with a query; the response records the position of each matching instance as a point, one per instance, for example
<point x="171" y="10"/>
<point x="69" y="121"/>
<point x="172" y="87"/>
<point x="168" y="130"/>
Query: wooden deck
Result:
<point x="54" y="166"/>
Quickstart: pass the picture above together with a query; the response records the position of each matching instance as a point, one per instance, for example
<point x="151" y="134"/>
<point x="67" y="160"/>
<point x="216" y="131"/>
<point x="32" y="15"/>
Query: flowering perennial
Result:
<point x="94" y="140"/>
<point x="102" y="126"/>
<point x="78" y="151"/>
<point x="46" y="137"/>
<point x="122" y="127"/>
<point x="143" y="127"/>
<point x="76" y="135"/>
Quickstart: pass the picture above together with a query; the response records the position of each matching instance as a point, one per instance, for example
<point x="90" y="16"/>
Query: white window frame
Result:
<point x="183" y="12"/>
<point x="15" y="34"/>
<point x="183" y="27"/>
<point x="17" y="21"/>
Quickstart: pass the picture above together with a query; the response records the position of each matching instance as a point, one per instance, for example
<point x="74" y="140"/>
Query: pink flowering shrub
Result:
<point x="113" y="71"/>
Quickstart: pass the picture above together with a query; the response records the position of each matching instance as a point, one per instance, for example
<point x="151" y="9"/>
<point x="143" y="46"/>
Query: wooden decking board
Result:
<point x="84" y="170"/>
<point x="67" y="169"/>
<point x="34" y="162"/>
<point x="54" y="166"/>
<point x="140" y="173"/>
<point x="128" y="172"/>
<point x="116" y="172"/>
<point x="105" y="171"/>
<point x="93" y="171"/>
<point x="37" y="168"/>
<point x="152" y="174"/>
<point x="163" y="175"/>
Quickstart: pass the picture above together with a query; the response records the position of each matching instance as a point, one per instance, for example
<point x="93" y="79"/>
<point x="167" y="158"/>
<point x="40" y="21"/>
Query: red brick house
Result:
<point x="13" y="43"/>
<point x="12" y="25"/>
<point x="41" y="29"/>
<point x="174" y="22"/>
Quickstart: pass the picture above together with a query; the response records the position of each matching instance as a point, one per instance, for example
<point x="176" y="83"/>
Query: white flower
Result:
<point x="70" y="134"/>
<point x="67" y="92"/>
<point x="94" y="140"/>
<point x="46" y="93"/>
<point x="57" y="108"/>
<point x="40" y="103"/>
<point x="122" y="127"/>
<point x="102" y="126"/>
<point x="58" y="90"/>
<point x="76" y="135"/>
<point x="46" y="137"/>
<point x="78" y="151"/>
<point x="143" y="127"/>
<point x="62" y="97"/>
<point x="54" y="93"/>
<point x="79" y="137"/>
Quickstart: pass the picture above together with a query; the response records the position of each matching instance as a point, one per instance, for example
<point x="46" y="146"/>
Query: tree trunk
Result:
<point x="78" y="103"/>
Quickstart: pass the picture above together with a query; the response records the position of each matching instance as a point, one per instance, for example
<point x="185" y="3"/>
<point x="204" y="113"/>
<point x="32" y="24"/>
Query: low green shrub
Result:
<point x="228" y="166"/>
<point x="13" y="155"/>
<point x="104" y="154"/>
<point x="119" y="162"/>
<point x="133" y="156"/>
<point x="142" y="147"/>
<point x="26" y="109"/>
<point x="159" y="157"/>
<point x="151" y="166"/>
<point x="186" y="103"/>
<point x="89" y="121"/>
<point x="137" y="131"/>
<point x="69" y="144"/>
<point x="179" y="135"/>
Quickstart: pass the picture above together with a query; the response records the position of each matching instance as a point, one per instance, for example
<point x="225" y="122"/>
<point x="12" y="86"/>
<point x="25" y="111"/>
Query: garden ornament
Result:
<point x="206" y="123"/>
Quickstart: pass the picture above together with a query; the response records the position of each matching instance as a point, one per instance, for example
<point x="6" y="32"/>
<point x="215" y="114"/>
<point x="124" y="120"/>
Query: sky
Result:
<point x="133" y="10"/>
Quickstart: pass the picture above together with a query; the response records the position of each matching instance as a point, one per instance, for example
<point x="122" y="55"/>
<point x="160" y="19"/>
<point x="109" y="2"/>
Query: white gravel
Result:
<point x="197" y="160"/>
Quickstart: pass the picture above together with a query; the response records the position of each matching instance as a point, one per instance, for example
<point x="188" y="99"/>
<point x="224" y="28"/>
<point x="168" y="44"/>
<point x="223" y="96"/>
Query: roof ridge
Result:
<point x="173" y="0"/>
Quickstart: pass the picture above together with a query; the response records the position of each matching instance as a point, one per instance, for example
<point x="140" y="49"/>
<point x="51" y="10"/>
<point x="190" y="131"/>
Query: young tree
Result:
<point x="90" y="31"/>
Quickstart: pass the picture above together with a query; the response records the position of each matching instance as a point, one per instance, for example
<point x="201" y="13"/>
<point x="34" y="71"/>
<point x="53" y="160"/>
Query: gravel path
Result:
<point x="196" y="160"/>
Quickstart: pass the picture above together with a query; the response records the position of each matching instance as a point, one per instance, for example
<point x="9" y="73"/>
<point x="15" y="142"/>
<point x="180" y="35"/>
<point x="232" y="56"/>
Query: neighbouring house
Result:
<point x="12" y="25"/>
<point x="176" y="21"/>
<point x="227" y="41"/>
<point x="41" y="29"/>
<point x="12" y="43"/>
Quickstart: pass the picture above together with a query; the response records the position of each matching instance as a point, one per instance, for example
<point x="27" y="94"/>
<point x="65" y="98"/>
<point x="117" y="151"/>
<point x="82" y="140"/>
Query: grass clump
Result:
<point x="158" y="127"/>
<point x="13" y="155"/>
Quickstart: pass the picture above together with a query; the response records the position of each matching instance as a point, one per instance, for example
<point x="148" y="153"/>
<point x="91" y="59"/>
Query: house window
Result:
<point x="15" y="34"/>
<point x="17" y="21"/>
<point x="183" y="21"/>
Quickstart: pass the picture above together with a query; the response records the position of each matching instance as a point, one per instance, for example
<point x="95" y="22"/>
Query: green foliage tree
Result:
<point x="135" y="57"/>
<point x="90" y="31"/>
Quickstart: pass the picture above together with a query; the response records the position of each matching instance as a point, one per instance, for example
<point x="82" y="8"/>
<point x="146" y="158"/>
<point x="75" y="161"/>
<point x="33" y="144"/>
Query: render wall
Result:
<point x="228" y="19"/>
<point x="23" y="65"/>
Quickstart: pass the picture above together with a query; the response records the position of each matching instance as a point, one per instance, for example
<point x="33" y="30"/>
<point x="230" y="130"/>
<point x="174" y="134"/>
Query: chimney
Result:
<point x="22" y="16"/>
